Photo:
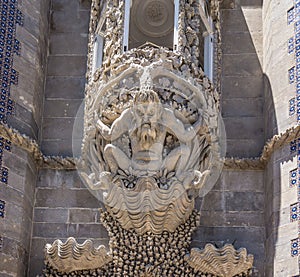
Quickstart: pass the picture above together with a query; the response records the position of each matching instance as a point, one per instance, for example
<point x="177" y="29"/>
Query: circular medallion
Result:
<point x="154" y="18"/>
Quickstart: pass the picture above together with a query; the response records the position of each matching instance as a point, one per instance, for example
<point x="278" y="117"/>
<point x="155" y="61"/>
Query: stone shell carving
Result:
<point x="223" y="262"/>
<point x="70" y="255"/>
<point x="151" y="209"/>
<point x="163" y="255"/>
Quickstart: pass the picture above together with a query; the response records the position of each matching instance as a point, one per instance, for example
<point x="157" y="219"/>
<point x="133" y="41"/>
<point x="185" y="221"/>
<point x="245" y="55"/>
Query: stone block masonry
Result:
<point x="65" y="79"/>
<point x="64" y="207"/>
<point x="242" y="77"/>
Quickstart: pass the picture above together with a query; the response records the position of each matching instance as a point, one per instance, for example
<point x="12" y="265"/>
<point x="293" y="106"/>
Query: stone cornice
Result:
<point x="69" y="163"/>
<point x="31" y="146"/>
<point x="273" y="144"/>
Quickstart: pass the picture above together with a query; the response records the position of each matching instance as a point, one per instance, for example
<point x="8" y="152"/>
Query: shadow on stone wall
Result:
<point x="237" y="209"/>
<point x="271" y="218"/>
<point x="242" y="96"/>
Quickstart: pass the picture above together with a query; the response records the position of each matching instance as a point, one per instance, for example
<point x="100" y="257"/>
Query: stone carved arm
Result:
<point x="177" y="127"/>
<point x="118" y="128"/>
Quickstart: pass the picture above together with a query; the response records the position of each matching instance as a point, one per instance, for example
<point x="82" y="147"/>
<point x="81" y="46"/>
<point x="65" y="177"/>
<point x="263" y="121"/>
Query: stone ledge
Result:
<point x="69" y="163"/>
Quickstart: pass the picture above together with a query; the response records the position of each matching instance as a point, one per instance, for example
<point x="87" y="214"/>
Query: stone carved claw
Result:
<point x="102" y="183"/>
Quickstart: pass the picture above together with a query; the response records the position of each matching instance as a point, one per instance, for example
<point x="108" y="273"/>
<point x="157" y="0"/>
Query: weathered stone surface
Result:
<point x="67" y="43"/>
<point x="83" y="216"/>
<point x="59" y="179"/>
<point x="233" y="4"/>
<point x="240" y="107"/>
<point x="60" y="128"/>
<point x="57" y="147"/>
<point x="244" y="128"/>
<point x="241" y="235"/>
<point x="66" y="22"/>
<point x="241" y="65"/>
<point x="10" y="266"/>
<point x="66" y="66"/>
<point x="92" y="230"/>
<point x="232" y="39"/>
<point x="233" y="20"/>
<point x="55" y="108"/>
<point x="50" y="230"/>
<point x="241" y="87"/>
<point x="37" y="256"/>
<point x="213" y="201"/>
<point x="65" y="198"/>
<point x="234" y="219"/>
<point x="54" y="215"/>
<point x="241" y="201"/>
<point x="65" y="87"/>
<point x="252" y="181"/>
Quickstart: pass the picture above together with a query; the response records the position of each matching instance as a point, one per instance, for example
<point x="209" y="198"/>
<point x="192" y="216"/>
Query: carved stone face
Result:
<point x="147" y="113"/>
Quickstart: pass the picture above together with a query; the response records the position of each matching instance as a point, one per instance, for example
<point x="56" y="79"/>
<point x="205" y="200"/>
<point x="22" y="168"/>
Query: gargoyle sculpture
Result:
<point x="151" y="159"/>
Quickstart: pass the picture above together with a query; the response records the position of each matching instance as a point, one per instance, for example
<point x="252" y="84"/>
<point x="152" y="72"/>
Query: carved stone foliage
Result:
<point x="70" y="256"/>
<point x="114" y="31"/>
<point x="223" y="262"/>
<point x="151" y="145"/>
<point x="189" y="33"/>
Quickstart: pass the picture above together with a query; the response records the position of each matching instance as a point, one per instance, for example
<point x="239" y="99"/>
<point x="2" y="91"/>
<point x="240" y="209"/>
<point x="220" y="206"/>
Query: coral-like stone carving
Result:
<point x="223" y="262"/>
<point x="70" y="256"/>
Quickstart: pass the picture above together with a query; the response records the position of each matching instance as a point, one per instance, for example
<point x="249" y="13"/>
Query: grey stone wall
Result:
<point x="15" y="227"/>
<point x="31" y="65"/>
<point x="233" y="212"/>
<point x="279" y="228"/>
<point x="17" y="193"/>
<point x="277" y="62"/>
<point x="65" y="78"/>
<point x="242" y="77"/>
<point x="64" y="208"/>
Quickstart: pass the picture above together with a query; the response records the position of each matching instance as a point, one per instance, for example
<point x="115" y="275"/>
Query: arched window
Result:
<point x="207" y="40"/>
<point x="156" y="22"/>
<point x="150" y="21"/>
<point x="99" y="40"/>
